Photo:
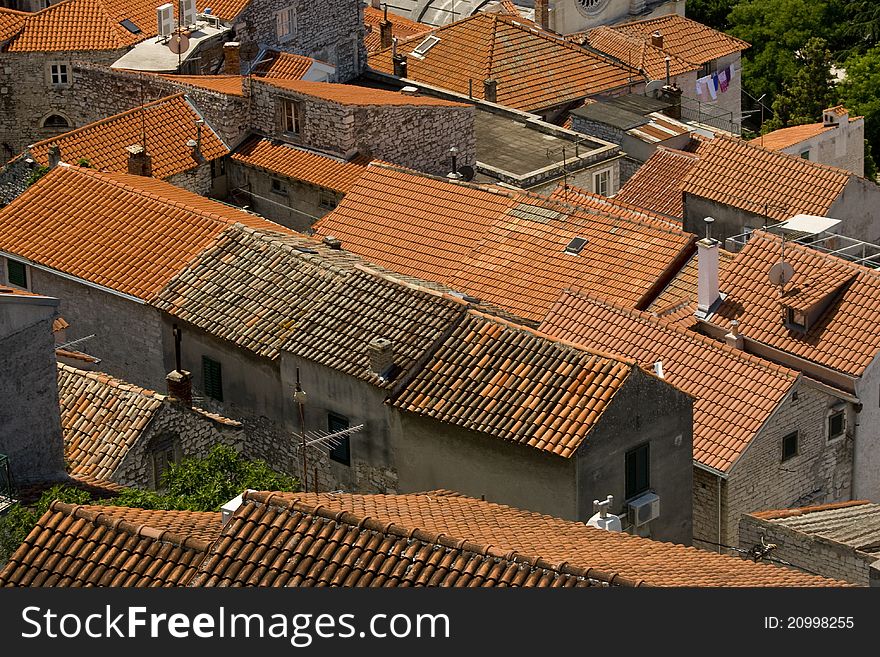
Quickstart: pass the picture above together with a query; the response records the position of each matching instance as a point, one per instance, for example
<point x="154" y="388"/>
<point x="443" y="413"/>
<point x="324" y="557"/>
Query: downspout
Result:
<point x="719" y="515"/>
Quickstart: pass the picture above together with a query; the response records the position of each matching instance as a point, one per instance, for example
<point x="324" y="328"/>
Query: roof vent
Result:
<point x="333" y="242"/>
<point x="576" y="245"/>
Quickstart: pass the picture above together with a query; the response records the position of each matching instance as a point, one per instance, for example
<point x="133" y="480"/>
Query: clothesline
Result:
<point x="716" y="82"/>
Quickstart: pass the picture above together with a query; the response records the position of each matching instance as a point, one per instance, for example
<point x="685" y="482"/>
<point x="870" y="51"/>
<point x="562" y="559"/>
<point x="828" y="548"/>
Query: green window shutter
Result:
<point x="17" y="272"/>
<point x="213" y="376"/>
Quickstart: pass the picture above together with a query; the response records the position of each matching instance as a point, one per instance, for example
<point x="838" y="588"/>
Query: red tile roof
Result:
<point x="227" y="10"/>
<point x="637" y="559"/>
<point x="274" y="540"/>
<point x="844" y="336"/>
<point x="636" y="51"/>
<point x="402" y="28"/>
<point x="515" y="384"/>
<point x="507" y="248"/>
<point x="82" y="25"/>
<point x="533" y="68"/>
<point x="349" y="94"/>
<point x="657" y="184"/>
<point x="728" y="412"/>
<point x="611" y="205"/>
<point x="128" y="233"/>
<point x="683" y="288"/>
<point x="778" y="514"/>
<point x="229" y="85"/>
<point x="784" y="137"/>
<point x="684" y="38"/>
<point x="286" y="65"/>
<point x="168" y="124"/>
<point x="81" y="546"/>
<point x="745" y="176"/>
<point x="299" y="164"/>
<point x="11" y="22"/>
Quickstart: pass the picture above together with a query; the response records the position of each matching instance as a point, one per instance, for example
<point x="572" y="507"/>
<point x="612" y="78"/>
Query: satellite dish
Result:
<point x="178" y="43"/>
<point x="467" y="173"/>
<point x="654" y="85"/>
<point x="781" y="273"/>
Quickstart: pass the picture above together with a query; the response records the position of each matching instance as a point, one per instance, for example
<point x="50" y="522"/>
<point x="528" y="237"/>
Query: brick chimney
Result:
<point x="180" y="386"/>
<point x="657" y="39"/>
<point x="399" y="65"/>
<point x="232" y="58"/>
<point x="139" y="163"/>
<point x="542" y="13"/>
<point x="671" y="93"/>
<point x="54" y="155"/>
<point x="490" y="90"/>
<point x="707" y="272"/>
<point x="386" y="31"/>
<point x="381" y="354"/>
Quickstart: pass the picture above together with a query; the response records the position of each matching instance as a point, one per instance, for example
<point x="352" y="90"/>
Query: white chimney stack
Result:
<point x="707" y="271"/>
<point x="734" y="338"/>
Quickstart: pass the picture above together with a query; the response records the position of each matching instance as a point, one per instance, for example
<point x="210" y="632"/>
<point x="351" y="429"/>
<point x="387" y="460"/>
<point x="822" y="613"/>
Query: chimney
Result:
<point x="542" y="13"/>
<point x="399" y="65"/>
<point x="139" y="163"/>
<point x="333" y="242"/>
<point x="707" y="271"/>
<point x="232" y="58"/>
<point x="381" y="356"/>
<point x="386" y="33"/>
<point x="54" y="155"/>
<point x="180" y="386"/>
<point x="734" y="338"/>
<point x="657" y="39"/>
<point x="490" y="90"/>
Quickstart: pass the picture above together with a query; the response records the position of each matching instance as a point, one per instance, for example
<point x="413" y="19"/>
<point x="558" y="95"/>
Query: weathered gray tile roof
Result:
<point x="856" y="523"/>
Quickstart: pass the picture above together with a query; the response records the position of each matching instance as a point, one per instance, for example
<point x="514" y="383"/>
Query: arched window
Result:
<point x="55" y="121"/>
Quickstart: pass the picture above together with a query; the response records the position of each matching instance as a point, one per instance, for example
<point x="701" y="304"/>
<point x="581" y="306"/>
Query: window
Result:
<point x="422" y="49"/>
<point x="576" y="245"/>
<point x="279" y="187"/>
<point x="602" y="182"/>
<point x="55" y="121"/>
<point x="805" y="155"/>
<point x="836" y="425"/>
<point x="796" y="319"/>
<point x="213" y="376"/>
<point x="708" y="68"/>
<point x="790" y="446"/>
<point x="16" y="273"/>
<point x="163" y="450"/>
<point x="342" y="452"/>
<point x="285" y="24"/>
<point x="328" y="200"/>
<point x="291" y="116"/>
<point x="638" y="478"/>
<point x="59" y="74"/>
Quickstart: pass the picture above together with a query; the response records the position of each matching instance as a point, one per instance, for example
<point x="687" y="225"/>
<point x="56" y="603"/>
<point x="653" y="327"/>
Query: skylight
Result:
<point x="576" y="245"/>
<point x="131" y="27"/>
<point x="422" y="49"/>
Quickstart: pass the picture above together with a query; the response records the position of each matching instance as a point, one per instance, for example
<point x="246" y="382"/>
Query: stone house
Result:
<point x="838" y="140"/>
<point x="119" y="432"/>
<point x="834" y="540"/>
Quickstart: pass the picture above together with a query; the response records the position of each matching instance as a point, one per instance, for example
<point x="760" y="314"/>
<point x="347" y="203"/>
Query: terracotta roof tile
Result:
<point x="203" y="525"/>
<point x="843" y="337"/>
<point x="778" y="514"/>
<point x="227" y="10"/>
<point x="506" y="248"/>
<point x="739" y="380"/>
<point x="745" y="176"/>
<point x="11" y="22"/>
<point x="636" y="51"/>
<point x="299" y="164"/>
<point x="168" y="123"/>
<point x="784" y="137"/>
<point x="82" y="25"/>
<point x="101" y="419"/>
<point x="79" y="546"/>
<point x="611" y="205"/>
<point x="683" y="288"/>
<point x="324" y="548"/>
<point x="286" y="65"/>
<point x="657" y="184"/>
<point x="229" y="85"/>
<point x="533" y="68"/>
<point x="140" y="231"/>
<point x="685" y="39"/>
<point x="402" y="28"/>
<point x="560" y="541"/>
<point x="487" y="371"/>
<point x="349" y="94"/>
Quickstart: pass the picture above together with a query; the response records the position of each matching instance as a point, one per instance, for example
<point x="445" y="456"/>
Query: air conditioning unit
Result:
<point x="644" y="509"/>
<point x="187" y="13"/>
<point x="165" y="19"/>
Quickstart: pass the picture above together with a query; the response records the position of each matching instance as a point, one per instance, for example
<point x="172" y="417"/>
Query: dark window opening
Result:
<point x="17" y="273"/>
<point x="790" y="446"/>
<point x="638" y="478"/>
<point x="836" y="425"/>
<point x="213" y="375"/>
<point x="56" y="121"/>
<point x="341" y="453"/>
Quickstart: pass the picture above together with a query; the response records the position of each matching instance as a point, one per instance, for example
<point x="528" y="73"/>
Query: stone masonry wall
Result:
<point x="197" y="434"/>
<point x="27" y="95"/>
<point x="196" y="180"/>
<point x="814" y="553"/>
<point x="331" y="31"/>
<point x="705" y="506"/>
<point x="821" y="472"/>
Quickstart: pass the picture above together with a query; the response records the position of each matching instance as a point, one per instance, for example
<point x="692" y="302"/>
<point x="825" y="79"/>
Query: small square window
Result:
<point x="638" y="475"/>
<point x="16" y="273"/>
<point x="796" y="319"/>
<point x="213" y="376"/>
<point x="59" y="74"/>
<point x="836" y="425"/>
<point x="790" y="446"/>
<point x="328" y="200"/>
<point x="341" y="453"/>
<point x="279" y="187"/>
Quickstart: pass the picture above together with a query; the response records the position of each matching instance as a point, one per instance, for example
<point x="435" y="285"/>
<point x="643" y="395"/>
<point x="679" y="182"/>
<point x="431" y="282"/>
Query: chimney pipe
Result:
<point x="381" y="355"/>
<point x="707" y="271"/>
<point x="139" y="163"/>
<point x="490" y="90"/>
<point x="232" y="58"/>
<point x="657" y="39"/>
<point x="542" y="14"/>
<point x="54" y="155"/>
<point x="733" y="338"/>
<point x="399" y="65"/>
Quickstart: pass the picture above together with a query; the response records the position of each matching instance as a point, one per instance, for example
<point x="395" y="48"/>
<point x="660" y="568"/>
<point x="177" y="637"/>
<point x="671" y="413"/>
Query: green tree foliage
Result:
<point x="713" y="13"/>
<point x="776" y="29"/>
<point x="809" y="92"/>
<point x="863" y="20"/>
<point x="860" y="94"/>
<point x="36" y="174"/>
